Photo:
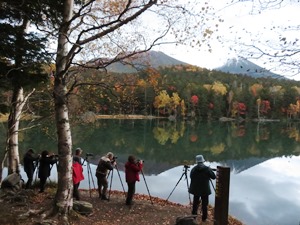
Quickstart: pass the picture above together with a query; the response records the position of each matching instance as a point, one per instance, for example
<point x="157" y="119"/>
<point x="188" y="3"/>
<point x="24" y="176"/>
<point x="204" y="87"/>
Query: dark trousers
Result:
<point x="204" y="204"/>
<point x="130" y="192"/>
<point x="102" y="185"/>
<point x="76" y="194"/>
<point x="30" y="179"/>
<point x="42" y="183"/>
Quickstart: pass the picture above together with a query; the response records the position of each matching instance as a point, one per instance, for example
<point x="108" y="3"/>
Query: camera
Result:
<point x="114" y="159"/>
<point x="140" y="160"/>
<point x="89" y="154"/>
<point x="186" y="166"/>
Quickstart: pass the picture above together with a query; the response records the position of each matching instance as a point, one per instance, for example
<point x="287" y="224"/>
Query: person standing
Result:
<point x="105" y="164"/>
<point x="77" y="173"/>
<point x="132" y="169"/>
<point x="46" y="161"/>
<point x="30" y="162"/>
<point x="200" y="176"/>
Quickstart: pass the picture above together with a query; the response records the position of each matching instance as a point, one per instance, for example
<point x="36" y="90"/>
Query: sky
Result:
<point x="247" y="20"/>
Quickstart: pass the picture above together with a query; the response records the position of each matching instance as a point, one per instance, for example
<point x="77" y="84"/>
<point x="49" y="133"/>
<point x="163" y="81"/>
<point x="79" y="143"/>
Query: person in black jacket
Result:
<point x="46" y="161"/>
<point x="105" y="164"/>
<point x="30" y="163"/>
<point x="200" y="176"/>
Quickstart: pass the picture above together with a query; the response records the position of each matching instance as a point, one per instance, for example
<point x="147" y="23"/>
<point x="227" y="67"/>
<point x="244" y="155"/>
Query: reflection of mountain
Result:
<point x="238" y="166"/>
<point x="152" y="167"/>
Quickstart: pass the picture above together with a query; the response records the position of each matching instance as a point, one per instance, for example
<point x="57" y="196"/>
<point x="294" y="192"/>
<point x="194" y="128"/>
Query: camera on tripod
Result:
<point x="186" y="166"/>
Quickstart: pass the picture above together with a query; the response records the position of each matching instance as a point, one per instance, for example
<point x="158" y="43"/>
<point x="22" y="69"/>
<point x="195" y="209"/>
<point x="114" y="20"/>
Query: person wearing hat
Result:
<point x="105" y="164"/>
<point x="30" y="162"/>
<point x="77" y="173"/>
<point x="199" y="187"/>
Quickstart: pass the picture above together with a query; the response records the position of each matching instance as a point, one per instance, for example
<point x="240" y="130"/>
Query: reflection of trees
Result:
<point x="167" y="142"/>
<point x="170" y="132"/>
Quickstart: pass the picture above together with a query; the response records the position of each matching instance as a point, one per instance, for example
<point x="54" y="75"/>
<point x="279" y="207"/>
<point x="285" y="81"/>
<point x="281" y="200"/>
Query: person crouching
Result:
<point x="105" y="164"/>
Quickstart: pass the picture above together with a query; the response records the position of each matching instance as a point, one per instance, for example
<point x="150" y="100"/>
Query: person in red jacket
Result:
<point x="132" y="169"/>
<point x="77" y="173"/>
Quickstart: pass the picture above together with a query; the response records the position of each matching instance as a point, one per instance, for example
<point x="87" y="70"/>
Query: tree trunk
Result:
<point x="63" y="199"/>
<point x="12" y="140"/>
<point x="13" y="129"/>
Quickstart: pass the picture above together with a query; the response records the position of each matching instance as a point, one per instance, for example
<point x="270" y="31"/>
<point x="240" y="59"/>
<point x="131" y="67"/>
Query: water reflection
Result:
<point x="267" y="193"/>
<point x="264" y="160"/>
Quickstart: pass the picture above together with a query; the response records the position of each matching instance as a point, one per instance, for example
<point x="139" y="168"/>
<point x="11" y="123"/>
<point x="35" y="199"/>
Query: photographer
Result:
<point x="30" y="162"/>
<point x="132" y="169"/>
<point x="105" y="164"/>
<point x="44" y="169"/>
<point x="77" y="173"/>
<point x="200" y="176"/>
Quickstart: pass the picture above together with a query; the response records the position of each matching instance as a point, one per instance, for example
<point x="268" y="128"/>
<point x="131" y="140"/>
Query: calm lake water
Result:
<point x="263" y="158"/>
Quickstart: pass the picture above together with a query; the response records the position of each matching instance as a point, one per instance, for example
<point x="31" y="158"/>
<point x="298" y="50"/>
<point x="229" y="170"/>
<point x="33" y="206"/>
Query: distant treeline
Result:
<point x="177" y="92"/>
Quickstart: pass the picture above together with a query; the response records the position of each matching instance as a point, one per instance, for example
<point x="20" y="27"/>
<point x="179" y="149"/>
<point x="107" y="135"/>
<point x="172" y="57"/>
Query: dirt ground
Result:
<point x="114" y="212"/>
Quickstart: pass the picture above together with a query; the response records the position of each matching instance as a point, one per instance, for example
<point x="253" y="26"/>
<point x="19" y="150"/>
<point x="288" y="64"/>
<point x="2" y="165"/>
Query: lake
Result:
<point x="263" y="158"/>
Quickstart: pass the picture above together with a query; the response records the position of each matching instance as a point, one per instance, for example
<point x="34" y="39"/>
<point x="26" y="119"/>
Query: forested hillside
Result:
<point x="175" y="92"/>
<point x="187" y="91"/>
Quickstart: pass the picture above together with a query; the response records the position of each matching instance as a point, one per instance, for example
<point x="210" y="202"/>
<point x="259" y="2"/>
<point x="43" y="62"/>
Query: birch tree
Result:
<point x="99" y="33"/>
<point x="21" y="57"/>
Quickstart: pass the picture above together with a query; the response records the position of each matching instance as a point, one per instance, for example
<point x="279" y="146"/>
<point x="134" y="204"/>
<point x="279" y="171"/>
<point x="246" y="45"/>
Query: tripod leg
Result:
<point x="212" y="185"/>
<point x="147" y="187"/>
<point x="175" y="187"/>
<point x="89" y="182"/>
<point x="111" y="178"/>
<point x="120" y="180"/>
<point x="188" y="186"/>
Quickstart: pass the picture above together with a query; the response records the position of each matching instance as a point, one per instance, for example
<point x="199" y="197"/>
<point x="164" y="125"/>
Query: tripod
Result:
<point x="147" y="187"/>
<point x="185" y="169"/>
<point x="111" y="178"/>
<point x="89" y="174"/>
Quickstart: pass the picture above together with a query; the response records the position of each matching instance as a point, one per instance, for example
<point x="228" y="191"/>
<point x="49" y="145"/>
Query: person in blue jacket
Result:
<point x="200" y="176"/>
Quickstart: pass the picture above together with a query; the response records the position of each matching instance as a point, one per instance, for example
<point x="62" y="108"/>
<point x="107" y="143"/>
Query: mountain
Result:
<point x="245" y="67"/>
<point x="152" y="59"/>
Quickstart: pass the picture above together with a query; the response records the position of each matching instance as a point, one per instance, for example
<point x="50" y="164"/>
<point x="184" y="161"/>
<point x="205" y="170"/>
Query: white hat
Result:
<point x="109" y="154"/>
<point x="200" y="159"/>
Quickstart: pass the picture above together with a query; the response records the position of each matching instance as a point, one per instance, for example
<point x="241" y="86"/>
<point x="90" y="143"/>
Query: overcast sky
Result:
<point x="244" y="21"/>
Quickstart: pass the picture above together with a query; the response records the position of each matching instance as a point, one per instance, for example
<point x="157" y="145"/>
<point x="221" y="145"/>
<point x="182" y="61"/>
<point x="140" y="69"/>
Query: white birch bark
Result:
<point x="63" y="198"/>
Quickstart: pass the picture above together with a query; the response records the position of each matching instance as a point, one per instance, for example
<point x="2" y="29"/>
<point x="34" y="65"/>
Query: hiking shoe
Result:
<point x="104" y="198"/>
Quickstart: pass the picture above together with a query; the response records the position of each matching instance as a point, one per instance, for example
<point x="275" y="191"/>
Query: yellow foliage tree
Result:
<point x="255" y="88"/>
<point x="219" y="88"/>
<point x="207" y="86"/>
<point x="162" y="100"/>
<point x="297" y="89"/>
